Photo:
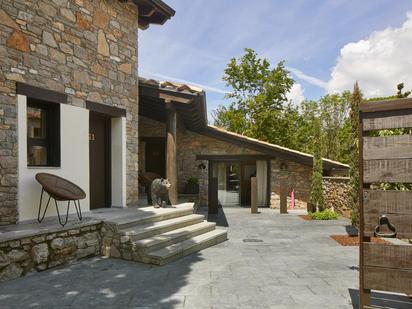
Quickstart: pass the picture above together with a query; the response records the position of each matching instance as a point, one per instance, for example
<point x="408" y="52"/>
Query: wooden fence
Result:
<point x="385" y="159"/>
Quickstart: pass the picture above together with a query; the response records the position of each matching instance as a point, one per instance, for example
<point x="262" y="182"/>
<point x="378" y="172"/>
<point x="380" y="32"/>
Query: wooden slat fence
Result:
<point x="385" y="159"/>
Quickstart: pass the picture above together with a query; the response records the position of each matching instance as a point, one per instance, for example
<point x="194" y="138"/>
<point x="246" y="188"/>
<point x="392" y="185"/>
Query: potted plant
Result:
<point x="192" y="186"/>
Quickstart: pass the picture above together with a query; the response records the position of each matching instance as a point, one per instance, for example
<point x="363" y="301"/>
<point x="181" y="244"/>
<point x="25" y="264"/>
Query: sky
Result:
<point x="326" y="44"/>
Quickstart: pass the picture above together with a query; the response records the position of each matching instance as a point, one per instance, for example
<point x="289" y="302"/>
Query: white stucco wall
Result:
<point x="74" y="124"/>
<point x="118" y="148"/>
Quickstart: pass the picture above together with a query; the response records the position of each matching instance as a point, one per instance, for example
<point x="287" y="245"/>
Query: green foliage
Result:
<point x="193" y="181"/>
<point x="399" y="94"/>
<point x="355" y="101"/>
<point x="259" y="106"/>
<point x="327" y="214"/>
<point x="316" y="194"/>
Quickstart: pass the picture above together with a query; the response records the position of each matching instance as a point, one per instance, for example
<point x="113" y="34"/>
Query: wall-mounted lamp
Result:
<point x="201" y="166"/>
<point x="283" y="166"/>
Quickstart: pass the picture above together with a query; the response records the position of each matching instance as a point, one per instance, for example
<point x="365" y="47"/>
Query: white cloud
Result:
<point x="296" y="94"/>
<point x="307" y="78"/>
<point x="378" y="62"/>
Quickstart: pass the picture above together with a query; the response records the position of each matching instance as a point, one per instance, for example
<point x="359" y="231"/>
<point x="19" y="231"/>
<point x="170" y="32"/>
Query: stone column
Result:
<point x="171" y="166"/>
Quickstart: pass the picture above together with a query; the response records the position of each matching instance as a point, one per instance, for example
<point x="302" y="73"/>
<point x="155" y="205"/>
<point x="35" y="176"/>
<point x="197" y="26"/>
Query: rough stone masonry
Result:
<point x="20" y="256"/>
<point x="84" y="48"/>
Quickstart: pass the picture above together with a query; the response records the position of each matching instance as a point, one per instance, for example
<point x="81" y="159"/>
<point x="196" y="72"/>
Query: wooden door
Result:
<point x="155" y="156"/>
<point x="248" y="170"/>
<point x="100" y="167"/>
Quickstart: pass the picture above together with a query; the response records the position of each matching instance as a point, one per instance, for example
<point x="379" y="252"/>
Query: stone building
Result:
<point x="71" y="104"/>
<point x="175" y="141"/>
<point x="69" y="99"/>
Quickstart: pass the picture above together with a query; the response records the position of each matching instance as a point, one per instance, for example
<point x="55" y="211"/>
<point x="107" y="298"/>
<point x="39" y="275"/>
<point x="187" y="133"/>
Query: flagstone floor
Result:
<point x="269" y="261"/>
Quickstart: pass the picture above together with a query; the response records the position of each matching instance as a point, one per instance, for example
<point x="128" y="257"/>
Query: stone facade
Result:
<point x="337" y="194"/>
<point x="298" y="179"/>
<point x="43" y="251"/>
<point x="190" y="144"/>
<point x="86" y="49"/>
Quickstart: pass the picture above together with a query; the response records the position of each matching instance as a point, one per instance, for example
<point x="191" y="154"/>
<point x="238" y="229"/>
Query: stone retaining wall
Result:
<point x="337" y="194"/>
<point x="40" y="252"/>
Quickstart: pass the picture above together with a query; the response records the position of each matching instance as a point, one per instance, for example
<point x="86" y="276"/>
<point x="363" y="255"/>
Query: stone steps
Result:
<point x="147" y="230"/>
<point x="163" y="240"/>
<point x="149" y="215"/>
<point x="186" y="247"/>
<point x="159" y="236"/>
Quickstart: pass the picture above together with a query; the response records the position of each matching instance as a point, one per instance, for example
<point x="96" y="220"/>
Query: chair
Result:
<point x="59" y="189"/>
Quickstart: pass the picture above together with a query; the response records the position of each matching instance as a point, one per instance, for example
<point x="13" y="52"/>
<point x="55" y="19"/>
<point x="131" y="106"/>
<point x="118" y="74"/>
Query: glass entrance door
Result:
<point x="228" y="178"/>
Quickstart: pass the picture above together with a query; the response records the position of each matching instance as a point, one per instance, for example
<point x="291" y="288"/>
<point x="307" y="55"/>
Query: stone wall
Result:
<point x="86" y="49"/>
<point x="337" y="194"/>
<point x="189" y="144"/>
<point x="40" y="252"/>
<point x="297" y="178"/>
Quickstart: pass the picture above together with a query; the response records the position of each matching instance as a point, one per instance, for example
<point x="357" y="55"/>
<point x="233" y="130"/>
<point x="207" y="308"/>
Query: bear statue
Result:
<point x="160" y="192"/>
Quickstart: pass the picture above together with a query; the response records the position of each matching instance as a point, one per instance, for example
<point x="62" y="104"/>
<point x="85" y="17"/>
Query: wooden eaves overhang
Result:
<point x="191" y="108"/>
<point x="190" y="105"/>
<point x="152" y="12"/>
<point x="274" y="151"/>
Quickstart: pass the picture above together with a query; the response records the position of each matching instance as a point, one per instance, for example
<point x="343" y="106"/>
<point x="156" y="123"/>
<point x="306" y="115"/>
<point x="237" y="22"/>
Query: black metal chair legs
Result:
<point x="40" y="216"/>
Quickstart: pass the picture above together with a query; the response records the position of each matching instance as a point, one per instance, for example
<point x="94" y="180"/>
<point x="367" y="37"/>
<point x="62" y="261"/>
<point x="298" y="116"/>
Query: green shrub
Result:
<point x="193" y="181"/>
<point x="326" y="214"/>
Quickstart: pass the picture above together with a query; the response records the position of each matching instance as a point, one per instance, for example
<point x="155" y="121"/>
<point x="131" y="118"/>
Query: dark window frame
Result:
<point x="51" y="112"/>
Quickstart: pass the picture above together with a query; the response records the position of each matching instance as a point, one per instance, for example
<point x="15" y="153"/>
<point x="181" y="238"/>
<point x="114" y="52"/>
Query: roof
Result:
<point x="268" y="148"/>
<point x="172" y="86"/>
<point x="193" y="111"/>
<point x="190" y="101"/>
<point x="152" y="12"/>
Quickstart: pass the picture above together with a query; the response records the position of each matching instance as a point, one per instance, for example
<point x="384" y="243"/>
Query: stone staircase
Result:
<point x="159" y="235"/>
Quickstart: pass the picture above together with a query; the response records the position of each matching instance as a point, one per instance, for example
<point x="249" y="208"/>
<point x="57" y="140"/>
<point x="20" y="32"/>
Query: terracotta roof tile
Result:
<point x="172" y="85"/>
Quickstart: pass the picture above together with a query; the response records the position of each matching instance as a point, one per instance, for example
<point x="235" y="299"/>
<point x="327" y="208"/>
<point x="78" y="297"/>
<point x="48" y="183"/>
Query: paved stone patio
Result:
<point x="294" y="265"/>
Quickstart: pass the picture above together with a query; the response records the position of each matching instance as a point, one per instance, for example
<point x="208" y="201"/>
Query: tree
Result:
<point x="316" y="194"/>
<point x="401" y="95"/>
<point x="356" y="99"/>
<point x="334" y="114"/>
<point x="258" y="99"/>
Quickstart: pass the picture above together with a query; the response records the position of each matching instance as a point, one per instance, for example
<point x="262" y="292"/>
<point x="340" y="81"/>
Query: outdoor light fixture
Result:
<point x="283" y="166"/>
<point x="201" y="166"/>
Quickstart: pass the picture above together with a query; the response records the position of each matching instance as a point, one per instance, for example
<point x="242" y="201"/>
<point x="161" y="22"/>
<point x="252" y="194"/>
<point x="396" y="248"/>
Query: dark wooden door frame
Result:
<point x="154" y="139"/>
<point x="108" y="165"/>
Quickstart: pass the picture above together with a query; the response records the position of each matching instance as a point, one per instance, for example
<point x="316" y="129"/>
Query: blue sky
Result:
<point x="324" y="43"/>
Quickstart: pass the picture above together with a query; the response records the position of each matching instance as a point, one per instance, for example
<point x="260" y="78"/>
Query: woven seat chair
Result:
<point x="59" y="189"/>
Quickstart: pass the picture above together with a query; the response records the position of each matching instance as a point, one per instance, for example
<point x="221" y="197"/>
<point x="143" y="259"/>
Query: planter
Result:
<point x="192" y="188"/>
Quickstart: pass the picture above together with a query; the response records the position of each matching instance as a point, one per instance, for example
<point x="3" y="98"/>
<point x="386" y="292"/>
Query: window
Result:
<point x="43" y="133"/>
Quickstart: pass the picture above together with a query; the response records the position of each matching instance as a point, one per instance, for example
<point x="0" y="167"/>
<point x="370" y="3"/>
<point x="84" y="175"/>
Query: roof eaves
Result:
<point x="278" y="148"/>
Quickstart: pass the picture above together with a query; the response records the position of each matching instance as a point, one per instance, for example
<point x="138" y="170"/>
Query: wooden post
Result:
<point x="283" y="195"/>
<point x="213" y="201"/>
<point x="171" y="166"/>
<point x="364" y="294"/>
<point x="253" y="193"/>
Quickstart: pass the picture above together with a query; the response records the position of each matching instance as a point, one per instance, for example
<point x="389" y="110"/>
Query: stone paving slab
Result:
<point x="296" y="265"/>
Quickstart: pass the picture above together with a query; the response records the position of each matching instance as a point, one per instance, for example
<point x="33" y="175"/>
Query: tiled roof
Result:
<point x="174" y="86"/>
<point x="276" y="147"/>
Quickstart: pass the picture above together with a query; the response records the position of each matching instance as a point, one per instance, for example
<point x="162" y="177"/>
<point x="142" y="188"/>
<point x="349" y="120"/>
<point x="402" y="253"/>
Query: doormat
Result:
<point x="252" y="240"/>
<point x="347" y="240"/>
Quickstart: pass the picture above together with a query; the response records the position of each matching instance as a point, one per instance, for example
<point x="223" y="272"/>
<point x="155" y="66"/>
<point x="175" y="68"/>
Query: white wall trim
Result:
<point x="118" y="161"/>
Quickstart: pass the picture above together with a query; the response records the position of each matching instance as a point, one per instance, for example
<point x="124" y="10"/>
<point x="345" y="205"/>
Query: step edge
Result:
<point x="201" y="226"/>
<point x="219" y="232"/>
